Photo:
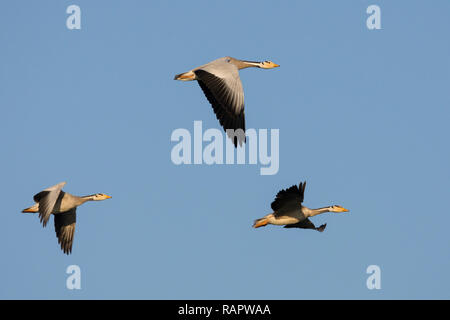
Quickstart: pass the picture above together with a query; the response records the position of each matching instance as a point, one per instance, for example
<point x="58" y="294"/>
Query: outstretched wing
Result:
<point x="288" y="200"/>
<point x="306" y="224"/>
<point x="47" y="200"/>
<point x="222" y="86"/>
<point x="65" y="229"/>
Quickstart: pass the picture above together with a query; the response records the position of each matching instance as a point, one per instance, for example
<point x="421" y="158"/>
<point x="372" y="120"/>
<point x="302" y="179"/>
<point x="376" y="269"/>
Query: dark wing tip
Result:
<point x="229" y="118"/>
<point x="65" y="223"/>
<point x="38" y="196"/>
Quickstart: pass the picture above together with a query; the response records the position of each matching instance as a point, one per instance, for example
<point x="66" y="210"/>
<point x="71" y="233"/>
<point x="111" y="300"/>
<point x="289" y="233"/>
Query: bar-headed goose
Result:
<point x="63" y="206"/>
<point x="289" y="211"/>
<point x="220" y="82"/>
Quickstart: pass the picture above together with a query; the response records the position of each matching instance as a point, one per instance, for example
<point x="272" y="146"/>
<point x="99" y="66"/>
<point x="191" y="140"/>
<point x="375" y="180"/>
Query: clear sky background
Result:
<point x="363" y="118"/>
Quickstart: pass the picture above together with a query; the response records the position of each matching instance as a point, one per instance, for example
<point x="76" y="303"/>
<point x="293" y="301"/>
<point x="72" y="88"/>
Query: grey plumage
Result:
<point x="47" y="200"/>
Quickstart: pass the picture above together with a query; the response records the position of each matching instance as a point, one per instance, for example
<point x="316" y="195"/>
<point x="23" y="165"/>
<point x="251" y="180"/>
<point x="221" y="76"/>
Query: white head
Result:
<point x="336" y="208"/>
<point x="268" y="65"/>
<point x="100" y="196"/>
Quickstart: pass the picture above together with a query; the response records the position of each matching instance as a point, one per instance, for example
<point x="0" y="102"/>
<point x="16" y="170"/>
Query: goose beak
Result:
<point x="107" y="197"/>
<point x="274" y="65"/>
<point x="343" y="210"/>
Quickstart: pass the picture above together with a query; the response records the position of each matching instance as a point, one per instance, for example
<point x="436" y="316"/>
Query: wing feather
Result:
<point x="288" y="200"/>
<point x="65" y="229"/>
<point x="47" y="200"/>
<point x="222" y="87"/>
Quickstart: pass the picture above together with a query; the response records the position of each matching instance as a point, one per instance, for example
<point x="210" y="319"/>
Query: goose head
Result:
<point x="100" y="196"/>
<point x="268" y="65"/>
<point x="336" y="208"/>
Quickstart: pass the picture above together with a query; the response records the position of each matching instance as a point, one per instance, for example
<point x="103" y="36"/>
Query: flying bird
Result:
<point x="289" y="211"/>
<point x="63" y="206"/>
<point x="220" y="82"/>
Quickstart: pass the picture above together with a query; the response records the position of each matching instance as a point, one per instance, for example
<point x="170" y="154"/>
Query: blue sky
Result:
<point x="363" y="118"/>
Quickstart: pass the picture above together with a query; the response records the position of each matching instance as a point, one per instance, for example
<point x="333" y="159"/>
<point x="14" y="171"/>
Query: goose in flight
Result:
<point x="63" y="206"/>
<point x="220" y="82"/>
<point x="289" y="211"/>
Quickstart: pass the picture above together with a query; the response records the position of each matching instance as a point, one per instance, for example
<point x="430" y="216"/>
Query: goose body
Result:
<point x="63" y="206"/>
<point x="222" y="86"/>
<point x="295" y="217"/>
<point x="289" y="211"/>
